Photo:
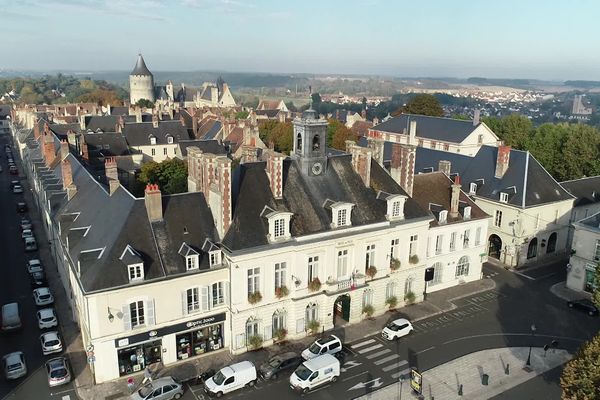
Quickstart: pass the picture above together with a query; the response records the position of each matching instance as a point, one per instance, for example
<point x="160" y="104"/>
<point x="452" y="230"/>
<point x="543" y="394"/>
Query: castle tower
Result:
<point x="141" y="82"/>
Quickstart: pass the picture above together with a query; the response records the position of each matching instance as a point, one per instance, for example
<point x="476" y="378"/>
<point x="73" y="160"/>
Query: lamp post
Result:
<point x="528" y="363"/>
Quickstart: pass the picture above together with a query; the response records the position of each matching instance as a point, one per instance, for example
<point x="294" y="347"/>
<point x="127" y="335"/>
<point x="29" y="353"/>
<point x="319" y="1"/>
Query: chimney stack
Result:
<point x="412" y="133"/>
<point x="138" y="114"/>
<point x="476" y="116"/>
<point x="455" y="197"/>
<point x="153" y="201"/>
<point x="444" y="166"/>
<point x="275" y="173"/>
<point x="67" y="173"/>
<point x="84" y="150"/>
<point x="49" y="150"/>
<point x="154" y="121"/>
<point x="64" y="149"/>
<point x="219" y="197"/>
<point x="502" y="161"/>
<point x="82" y="122"/>
<point x="120" y="124"/>
<point x="403" y="166"/>
<point x="112" y="174"/>
<point x="361" y="162"/>
<point x="376" y="146"/>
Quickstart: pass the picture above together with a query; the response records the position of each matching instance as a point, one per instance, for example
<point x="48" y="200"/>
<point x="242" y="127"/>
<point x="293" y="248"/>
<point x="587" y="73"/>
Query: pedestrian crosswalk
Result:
<point x="382" y="357"/>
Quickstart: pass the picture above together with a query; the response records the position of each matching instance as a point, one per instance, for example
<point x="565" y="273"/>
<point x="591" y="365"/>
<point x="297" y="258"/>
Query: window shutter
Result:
<point x="300" y="325"/>
<point x="184" y="308"/>
<point x="126" y="318"/>
<point x="205" y="298"/>
<point x="226" y="299"/>
<point x="268" y="332"/>
<point x="150" y="319"/>
<point x="240" y="341"/>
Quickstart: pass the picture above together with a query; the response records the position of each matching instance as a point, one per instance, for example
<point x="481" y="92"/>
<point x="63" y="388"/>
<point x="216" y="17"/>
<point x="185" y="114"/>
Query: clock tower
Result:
<point x="310" y="142"/>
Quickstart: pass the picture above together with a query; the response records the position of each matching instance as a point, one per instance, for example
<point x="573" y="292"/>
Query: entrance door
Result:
<point x="341" y="310"/>
<point x="495" y="246"/>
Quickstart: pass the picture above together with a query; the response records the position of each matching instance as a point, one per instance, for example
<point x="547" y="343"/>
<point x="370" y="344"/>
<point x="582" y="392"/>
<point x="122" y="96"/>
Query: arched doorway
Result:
<point x="495" y="246"/>
<point x="341" y="310"/>
<point x="532" y="248"/>
<point x="551" y="246"/>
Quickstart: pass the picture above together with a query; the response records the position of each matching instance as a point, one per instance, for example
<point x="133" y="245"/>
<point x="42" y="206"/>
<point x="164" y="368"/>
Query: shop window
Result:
<point x="135" y="358"/>
<point x="199" y="341"/>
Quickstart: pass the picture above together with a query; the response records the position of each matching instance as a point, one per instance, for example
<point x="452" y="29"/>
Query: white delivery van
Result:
<point x="11" y="320"/>
<point x="315" y="372"/>
<point x="231" y="378"/>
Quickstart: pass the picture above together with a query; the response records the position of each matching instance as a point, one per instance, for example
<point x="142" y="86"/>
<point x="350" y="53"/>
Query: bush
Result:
<point x="255" y="341"/>
<point x="371" y="271"/>
<point x="314" y="285"/>
<point x="254" y="298"/>
<point x="368" y="310"/>
<point x="281" y="292"/>
<point x="313" y="326"/>
<point x="392" y="302"/>
<point x="281" y="334"/>
<point x="409" y="298"/>
<point x="414" y="259"/>
<point x="395" y="264"/>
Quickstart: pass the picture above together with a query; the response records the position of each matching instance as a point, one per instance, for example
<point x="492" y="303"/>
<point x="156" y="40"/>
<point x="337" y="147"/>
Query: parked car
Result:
<point x="14" y="182"/>
<point x="38" y="279"/>
<point x="396" y="329"/>
<point x="58" y="371"/>
<point x="231" y="378"/>
<point x="584" y="305"/>
<point x="42" y="296"/>
<point x="0" y="168"/>
<point x="315" y="372"/>
<point x="26" y="224"/>
<point x="17" y="189"/>
<point x="34" y="265"/>
<point x="47" y="318"/>
<point x="280" y="363"/>
<point x="30" y="244"/>
<point x="165" y="388"/>
<point x="51" y="343"/>
<point x="13" y="169"/>
<point x="26" y="233"/>
<point x="326" y="345"/>
<point x="21" y="207"/>
<point x="14" y="365"/>
<point x="11" y="318"/>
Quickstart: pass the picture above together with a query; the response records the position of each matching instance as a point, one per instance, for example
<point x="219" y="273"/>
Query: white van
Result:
<point x="10" y="317"/>
<point x="315" y="372"/>
<point x="231" y="378"/>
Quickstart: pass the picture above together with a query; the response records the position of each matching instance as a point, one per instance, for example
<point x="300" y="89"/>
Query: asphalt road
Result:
<point x="15" y="286"/>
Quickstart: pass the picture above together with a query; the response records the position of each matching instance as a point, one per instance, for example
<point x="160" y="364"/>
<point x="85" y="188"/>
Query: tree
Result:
<point x="422" y="104"/>
<point x="337" y="134"/>
<point x="170" y="175"/>
<point x="291" y="106"/>
<point x="265" y="128"/>
<point x="596" y="284"/>
<point x="515" y="130"/>
<point x="101" y="97"/>
<point x="580" y="379"/>
<point x="282" y="137"/>
<point x="241" y="115"/>
<point x="144" y="103"/>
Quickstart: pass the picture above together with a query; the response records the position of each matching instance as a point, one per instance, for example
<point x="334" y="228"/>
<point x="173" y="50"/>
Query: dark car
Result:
<point x="13" y="170"/>
<point x="38" y="279"/>
<point x="281" y="363"/>
<point x="21" y="207"/>
<point x="584" y="305"/>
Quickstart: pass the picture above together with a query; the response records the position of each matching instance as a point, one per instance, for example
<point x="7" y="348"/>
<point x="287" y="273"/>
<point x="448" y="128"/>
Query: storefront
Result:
<point x="135" y="358"/>
<point x="199" y="341"/>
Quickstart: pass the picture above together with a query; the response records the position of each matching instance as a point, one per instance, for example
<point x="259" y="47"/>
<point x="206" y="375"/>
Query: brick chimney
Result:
<point x="84" y="150"/>
<point x="476" y="117"/>
<point x="153" y="201"/>
<point x="444" y="166"/>
<point x="412" y="133"/>
<point x="502" y="161"/>
<point x="112" y="174"/>
<point x="275" y="173"/>
<point x="67" y="173"/>
<point x="403" y="166"/>
<point x="376" y="146"/>
<point x="120" y="124"/>
<point x="154" y="121"/>
<point x="361" y="161"/>
<point x="64" y="149"/>
<point x="455" y="197"/>
<point x="138" y="114"/>
<point x="49" y="150"/>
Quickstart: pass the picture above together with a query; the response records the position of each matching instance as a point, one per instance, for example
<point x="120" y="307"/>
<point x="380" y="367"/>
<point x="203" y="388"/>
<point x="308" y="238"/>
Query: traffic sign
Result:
<point x="91" y="359"/>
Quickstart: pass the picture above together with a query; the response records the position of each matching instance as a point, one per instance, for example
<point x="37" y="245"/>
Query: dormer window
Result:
<point x="342" y="217"/>
<point x="191" y="262"/>
<point x="473" y="188"/>
<point x="467" y="213"/>
<point x="395" y="209"/>
<point x="135" y="265"/>
<point x="190" y="256"/>
<point x="340" y="213"/>
<point x="169" y="139"/>
<point x="443" y="217"/>
<point x="279" y="224"/>
<point x="503" y="197"/>
<point x="152" y="140"/>
<point x="279" y="228"/>
<point x="136" y="272"/>
<point x="395" y="205"/>
<point x="215" y="258"/>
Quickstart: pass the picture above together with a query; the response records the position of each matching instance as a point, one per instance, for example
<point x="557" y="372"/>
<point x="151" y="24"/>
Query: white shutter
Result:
<point x="300" y="325"/>
<point x="226" y="288"/>
<point x="205" y="298"/>
<point x="184" y="307"/>
<point x="268" y="332"/>
<point x="240" y="341"/>
<point x="126" y="318"/>
<point x="150" y="318"/>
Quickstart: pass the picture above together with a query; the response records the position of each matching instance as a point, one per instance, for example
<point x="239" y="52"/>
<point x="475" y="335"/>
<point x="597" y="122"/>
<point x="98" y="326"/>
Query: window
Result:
<point x="153" y="152"/>
<point x="498" y="219"/>
<point x="280" y="274"/>
<point x="299" y="143"/>
<point x="408" y="285"/>
<point x="279" y="230"/>
<point x="136" y="272"/>
<point x="136" y="313"/>
<point x="370" y="256"/>
<point x="453" y="241"/>
<point x="478" y="236"/>
<point x="218" y="294"/>
<point x="394" y="248"/>
<point x="313" y="268"/>
<point x="503" y="197"/>
<point x="462" y="269"/>
<point x="443" y="217"/>
<point x="439" y="242"/>
<point x="251" y="328"/>
<point x="253" y="284"/>
<point x="191" y="262"/>
<point x="165" y="151"/>
<point x="214" y="258"/>
<point x="466" y="239"/>
<point x="311" y="313"/>
<point x="170" y="139"/>
<point x="446" y="147"/>
<point x="342" y="264"/>
<point x="433" y="144"/>
<point x="278" y="321"/>
<point x="420" y="143"/>
<point x="480" y="139"/>
<point x="390" y="290"/>
<point x="437" y="274"/>
<point x="597" y="250"/>
<point x="396" y="209"/>
<point x="341" y="217"/>
<point x="467" y="212"/>
<point x="473" y="188"/>
<point x="367" y="299"/>
<point x="412" y="247"/>
<point x="152" y="140"/>
<point x="193" y="300"/>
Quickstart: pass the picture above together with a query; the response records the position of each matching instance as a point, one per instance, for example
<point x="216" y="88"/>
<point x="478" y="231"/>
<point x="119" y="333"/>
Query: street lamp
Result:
<point x="528" y="363"/>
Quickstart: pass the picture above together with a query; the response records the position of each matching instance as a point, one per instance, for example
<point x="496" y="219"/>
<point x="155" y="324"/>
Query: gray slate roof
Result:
<point x="585" y="190"/>
<point x="140" y="67"/>
<point x="207" y="146"/>
<point x="106" y="144"/>
<point x="105" y="123"/>
<point x="138" y="134"/>
<point x="436" y="128"/>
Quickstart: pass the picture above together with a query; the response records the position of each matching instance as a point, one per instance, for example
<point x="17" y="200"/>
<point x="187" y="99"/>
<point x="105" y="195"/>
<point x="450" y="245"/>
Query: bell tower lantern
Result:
<point x="310" y="143"/>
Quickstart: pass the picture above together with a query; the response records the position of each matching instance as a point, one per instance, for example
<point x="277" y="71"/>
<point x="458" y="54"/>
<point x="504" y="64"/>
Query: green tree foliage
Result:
<point x="337" y="134"/>
<point x="596" y="294"/>
<point x="291" y="106"/>
<point x="241" y="115"/>
<point x="515" y="130"/>
<point x="278" y="133"/>
<point x="101" y="97"/>
<point x="580" y="379"/>
<point x="169" y="175"/>
<point x="144" y="103"/>
<point x="422" y="104"/>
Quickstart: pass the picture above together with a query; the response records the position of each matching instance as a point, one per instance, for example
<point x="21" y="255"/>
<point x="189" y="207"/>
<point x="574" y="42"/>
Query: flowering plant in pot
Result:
<point x="281" y="292"/>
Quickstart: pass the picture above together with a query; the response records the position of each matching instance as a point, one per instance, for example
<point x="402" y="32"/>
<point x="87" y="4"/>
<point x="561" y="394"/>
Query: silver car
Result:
<point x="14" y="365"/>
<point x="58" y="371"/>
<point x="165" y="388"/>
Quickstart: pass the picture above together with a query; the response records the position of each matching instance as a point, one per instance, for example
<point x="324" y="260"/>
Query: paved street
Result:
<point x="15" y="286"/>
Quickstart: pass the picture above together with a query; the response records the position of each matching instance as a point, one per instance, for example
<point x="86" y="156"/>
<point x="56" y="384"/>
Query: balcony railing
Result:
<point x="340" y="285"/>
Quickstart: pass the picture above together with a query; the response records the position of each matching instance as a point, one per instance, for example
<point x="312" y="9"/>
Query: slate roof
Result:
<point x="268" y="105"/>
<point x="585" y="190"/>
<point x="436" y="128"/>
<point x="591" y="222"/>
<point x="209" y="128"/>
<point x="269" y="113"/>
<point x="305" y="198"/>
<point x="105" y="123"/>
<point x="138" y="134"/>
<point x="207" y="146"/>
<point x="119" y="110"/>
<point x="140" y="67"/>
<point x="106" y="144"/>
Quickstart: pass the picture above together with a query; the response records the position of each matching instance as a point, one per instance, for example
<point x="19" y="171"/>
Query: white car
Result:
<point x="42" y="296"/>
<point x="47" y="318"/>
<point x="51" y="343"/>
<point x="396" y="329"/>
<point x="34" y="265"/>
<point x="14" y="365"/>
<point x="26" y="233"/>
<point x="327" y="345"/>
<point x="17" y="189"/>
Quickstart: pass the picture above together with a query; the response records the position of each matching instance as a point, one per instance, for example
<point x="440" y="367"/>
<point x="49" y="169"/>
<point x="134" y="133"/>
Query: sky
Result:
<point x="536" y="39"/>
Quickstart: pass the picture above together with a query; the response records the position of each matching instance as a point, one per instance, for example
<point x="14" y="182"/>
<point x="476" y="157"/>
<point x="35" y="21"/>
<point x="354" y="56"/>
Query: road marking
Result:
<point x="61" y="392"/>
<point x="194" y="393"/>
<point x="514" y="334"/>
<point x="379" y="353"/>
<point x="375" y="383"/>
<point x="424" y="350"/>
<point x="404" y="372"/>
<point x="354" y="376"/>
<point x="366" y="350"/>
<point x="361" y="344"/>
<point x="386" y="359"/>
<point x="349" y="364"/>
<point x="67" y="397"/>
<point x="395" y="365"/>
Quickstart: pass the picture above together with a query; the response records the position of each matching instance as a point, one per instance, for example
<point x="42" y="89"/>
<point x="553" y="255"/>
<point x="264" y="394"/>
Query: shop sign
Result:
<point x="416" y="381"/>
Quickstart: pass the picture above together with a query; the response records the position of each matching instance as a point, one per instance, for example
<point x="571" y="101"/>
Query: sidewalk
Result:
<point x="444" y="381"/>
<point x="561" y="290"/>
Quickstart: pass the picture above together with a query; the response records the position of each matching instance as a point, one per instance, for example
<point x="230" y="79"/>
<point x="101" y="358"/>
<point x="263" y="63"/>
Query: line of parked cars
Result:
<point x="51" y="343"/>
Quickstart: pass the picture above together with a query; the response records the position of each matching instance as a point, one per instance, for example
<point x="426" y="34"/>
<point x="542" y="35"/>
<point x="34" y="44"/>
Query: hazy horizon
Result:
<point x="545" y="40"/>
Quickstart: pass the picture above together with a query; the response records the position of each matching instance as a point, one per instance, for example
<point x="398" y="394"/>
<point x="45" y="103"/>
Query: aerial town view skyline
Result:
<point x="252" y="199"/>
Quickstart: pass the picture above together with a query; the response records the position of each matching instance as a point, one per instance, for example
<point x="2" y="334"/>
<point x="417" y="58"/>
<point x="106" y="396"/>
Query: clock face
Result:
<point x="317" y="168"/>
